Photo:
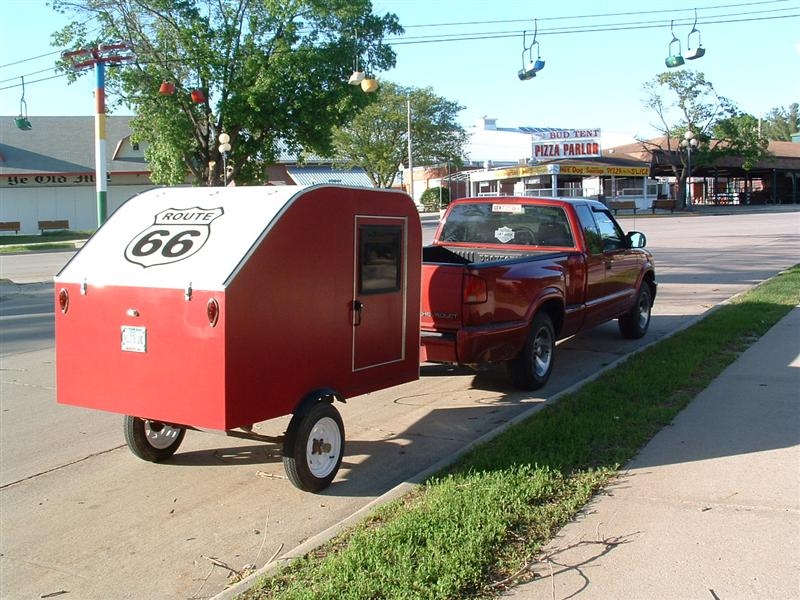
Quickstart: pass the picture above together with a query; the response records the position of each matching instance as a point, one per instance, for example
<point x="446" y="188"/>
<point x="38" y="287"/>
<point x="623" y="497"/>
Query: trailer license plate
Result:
<point x="134" y="339"/>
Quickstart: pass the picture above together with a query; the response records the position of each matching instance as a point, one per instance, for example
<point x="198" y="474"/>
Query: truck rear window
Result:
<point x="507" y="224"/>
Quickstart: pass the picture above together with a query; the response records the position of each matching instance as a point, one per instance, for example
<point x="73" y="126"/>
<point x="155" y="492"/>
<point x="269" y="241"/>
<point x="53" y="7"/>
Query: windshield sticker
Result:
<point x="504" y="234"/>
<point x="516" y="209"/>
<point x="176" y="234"/>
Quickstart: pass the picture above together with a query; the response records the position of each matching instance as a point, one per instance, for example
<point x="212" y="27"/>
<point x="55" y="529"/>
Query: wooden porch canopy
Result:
<point x="779" y="172"/>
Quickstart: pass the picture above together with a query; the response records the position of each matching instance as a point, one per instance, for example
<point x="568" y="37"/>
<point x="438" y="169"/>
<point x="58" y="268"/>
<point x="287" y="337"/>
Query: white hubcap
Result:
<point x="323" y="447"/>
<point x="160" y="436"/>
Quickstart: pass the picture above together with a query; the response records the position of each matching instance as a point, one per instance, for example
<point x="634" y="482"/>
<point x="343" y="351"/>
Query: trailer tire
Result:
<point x="152" y="441"/>
<point x="313" y="447"/>
<point x="531" y="369"/>
<point x="634" y="324"/>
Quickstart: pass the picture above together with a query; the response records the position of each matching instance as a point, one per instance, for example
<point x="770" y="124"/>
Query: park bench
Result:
<point x="616" y="205"/>
<point x="663" y="204"/>
<point x="54" y="224"/>
<point x="9" y="226"/>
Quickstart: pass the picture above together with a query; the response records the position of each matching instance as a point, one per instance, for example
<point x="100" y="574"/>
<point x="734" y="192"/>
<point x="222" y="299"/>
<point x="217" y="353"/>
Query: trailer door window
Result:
<point x="379" y="258"/>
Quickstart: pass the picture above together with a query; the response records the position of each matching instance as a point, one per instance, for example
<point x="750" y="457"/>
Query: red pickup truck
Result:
<point x="506" y="277"/>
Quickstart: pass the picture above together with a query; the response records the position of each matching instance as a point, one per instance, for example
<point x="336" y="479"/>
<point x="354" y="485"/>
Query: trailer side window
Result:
<point x="379" y="258"/>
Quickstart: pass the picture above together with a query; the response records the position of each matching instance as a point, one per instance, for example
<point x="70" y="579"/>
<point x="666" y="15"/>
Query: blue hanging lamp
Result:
<point x="531" y="67"/>
<point x="22" y="121"/>
<point x="674" y="60"/>
<point x="691" y="53"/>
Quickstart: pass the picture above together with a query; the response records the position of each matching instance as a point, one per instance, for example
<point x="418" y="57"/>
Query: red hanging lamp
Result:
<point x="198" y="97"/>
<point x="167" y="88"/>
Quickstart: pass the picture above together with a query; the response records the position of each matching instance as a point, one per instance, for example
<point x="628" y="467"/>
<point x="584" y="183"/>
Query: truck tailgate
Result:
<point x="441" y="301"/>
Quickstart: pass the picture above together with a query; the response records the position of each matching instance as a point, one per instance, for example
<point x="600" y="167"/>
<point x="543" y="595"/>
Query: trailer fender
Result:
<point x="312" y="398"/>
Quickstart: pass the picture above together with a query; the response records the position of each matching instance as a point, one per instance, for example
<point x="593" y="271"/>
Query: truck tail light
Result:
<point x="63" y="300"/>
<point x="474" y="290"/>
<point x="212" y="312"/>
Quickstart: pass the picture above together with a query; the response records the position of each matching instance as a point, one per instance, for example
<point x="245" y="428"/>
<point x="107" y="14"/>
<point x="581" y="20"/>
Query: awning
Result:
<point x="313" y="175"/>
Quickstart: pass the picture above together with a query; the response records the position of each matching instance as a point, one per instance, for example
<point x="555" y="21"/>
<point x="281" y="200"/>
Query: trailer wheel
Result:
<point x="531" y="369"/>
<point x="152" y="441"/>
<point x="634" y="324"/>
<point x="313" y="447"/>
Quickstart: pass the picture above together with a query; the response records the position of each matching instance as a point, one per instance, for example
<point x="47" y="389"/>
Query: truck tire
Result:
<point x="152" y="441"/>
<point x="634" y="323"/>
<point x="313" y="447"/>
<point x="531" y="369"/>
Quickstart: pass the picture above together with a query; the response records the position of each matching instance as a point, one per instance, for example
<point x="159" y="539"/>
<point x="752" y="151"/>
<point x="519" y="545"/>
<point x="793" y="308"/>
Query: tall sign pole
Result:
<point x="98" y="57"/>
<point x="410" y="154"/>
<point x="101" y="175"/>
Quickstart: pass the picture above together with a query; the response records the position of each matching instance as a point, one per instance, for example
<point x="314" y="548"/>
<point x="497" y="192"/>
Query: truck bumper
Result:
<point x="474" y="345"/>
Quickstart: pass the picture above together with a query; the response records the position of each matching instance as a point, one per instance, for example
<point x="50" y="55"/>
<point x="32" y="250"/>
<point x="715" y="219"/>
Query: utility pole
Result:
<point x="410" y="160"/>
<point x="98" y="57"/>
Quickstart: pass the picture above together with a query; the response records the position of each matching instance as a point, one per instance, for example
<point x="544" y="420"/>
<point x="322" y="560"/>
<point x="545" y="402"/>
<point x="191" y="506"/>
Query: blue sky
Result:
<point x="591" y="79"/>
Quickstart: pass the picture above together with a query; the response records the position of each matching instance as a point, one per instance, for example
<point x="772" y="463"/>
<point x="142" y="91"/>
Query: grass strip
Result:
<point x="49" y="240"/>
<point x="489" y="514"/>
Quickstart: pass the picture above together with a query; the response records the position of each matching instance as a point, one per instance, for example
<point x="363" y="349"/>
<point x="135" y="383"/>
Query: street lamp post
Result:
<point x="224" y="148"/>
<point x="400" y="168"/>
<point x="689" y="142"/>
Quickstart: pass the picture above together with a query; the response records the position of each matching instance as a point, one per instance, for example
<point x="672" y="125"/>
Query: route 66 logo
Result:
<point x="176" y="234"/>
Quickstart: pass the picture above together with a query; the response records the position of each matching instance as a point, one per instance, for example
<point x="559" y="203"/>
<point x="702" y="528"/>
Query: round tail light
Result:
<point x="63" y="300"/>
<point x="212" y="312"/>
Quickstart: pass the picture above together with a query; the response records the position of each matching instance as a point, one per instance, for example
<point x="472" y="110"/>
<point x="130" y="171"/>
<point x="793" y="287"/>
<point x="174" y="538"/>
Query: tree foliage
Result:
<point x="271" y="71"/>
<point x="435" y="198"/>
<point x="376" y="139"/>
<point x="685" y="101"/>
<point x="780" y="123"/>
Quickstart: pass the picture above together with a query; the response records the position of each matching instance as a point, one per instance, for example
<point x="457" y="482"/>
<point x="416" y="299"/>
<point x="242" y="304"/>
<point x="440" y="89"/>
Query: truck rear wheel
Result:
<point x="314" y="447"/>
<point x="152" y="441"/>
<point x="531" y="369"/>
<point x="633" y="324"/>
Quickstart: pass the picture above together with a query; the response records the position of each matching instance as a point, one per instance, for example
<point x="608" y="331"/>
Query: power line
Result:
<point x="543" y="19"/>
<point x="491" y="35"/>
<point x="622" y="14"/>
<point x="597" y="29"/>
<point x="17" y="62"/>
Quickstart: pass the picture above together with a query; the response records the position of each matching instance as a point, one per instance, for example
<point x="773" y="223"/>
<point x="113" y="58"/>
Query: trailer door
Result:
<point x="379" y="291"/>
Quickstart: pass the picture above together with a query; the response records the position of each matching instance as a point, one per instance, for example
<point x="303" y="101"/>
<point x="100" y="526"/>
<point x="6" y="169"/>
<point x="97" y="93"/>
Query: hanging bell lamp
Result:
<point x="369" y="85"/>
<point x="531" y="67"/>
<point x="699" y="51"/>
<point x="674" y="59"/>
<point x="22" y="121"/>
<point x="358" y="75"/>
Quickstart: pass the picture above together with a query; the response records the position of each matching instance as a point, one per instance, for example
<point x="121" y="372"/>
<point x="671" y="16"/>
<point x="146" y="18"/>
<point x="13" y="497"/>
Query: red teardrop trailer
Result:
<point x="217" y="308"/>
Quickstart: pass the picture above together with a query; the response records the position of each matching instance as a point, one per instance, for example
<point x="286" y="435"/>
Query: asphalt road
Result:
<point x="81" y="517"/>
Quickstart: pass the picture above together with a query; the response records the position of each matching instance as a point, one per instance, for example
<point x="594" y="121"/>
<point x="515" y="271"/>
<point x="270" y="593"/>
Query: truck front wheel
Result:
<point x="531" y="369"/>
<point x="634" y="323"/>
<point x="152" y="441"/>
<point x="313" y="447"/>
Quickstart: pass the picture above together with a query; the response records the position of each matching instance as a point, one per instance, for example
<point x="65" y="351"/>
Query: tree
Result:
<point x="742" y="138"/>
<point x="270" y="71"/>
<point x="685" y="101"/>
<point x="780" y="123"/>
<point x="377" y="138"/>
<point x="435" y="198"/>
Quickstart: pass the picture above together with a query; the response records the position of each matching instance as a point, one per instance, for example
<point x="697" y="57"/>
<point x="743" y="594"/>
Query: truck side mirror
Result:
<point x="636" y="239"/>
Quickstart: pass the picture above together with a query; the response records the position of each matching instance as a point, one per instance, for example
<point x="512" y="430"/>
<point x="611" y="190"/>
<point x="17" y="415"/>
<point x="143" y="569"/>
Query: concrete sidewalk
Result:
<point x="711" y="506"/>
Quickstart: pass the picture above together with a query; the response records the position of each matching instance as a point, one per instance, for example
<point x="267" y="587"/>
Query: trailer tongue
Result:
<point x="217" y="308"/>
